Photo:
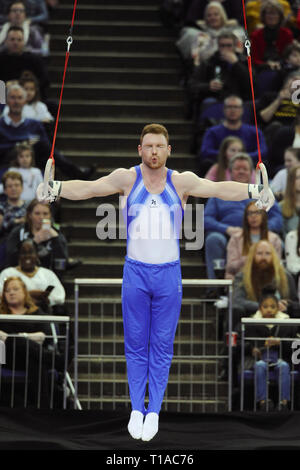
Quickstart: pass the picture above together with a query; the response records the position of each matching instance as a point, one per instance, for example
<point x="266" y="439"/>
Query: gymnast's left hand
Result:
<point x="266" y="199"/>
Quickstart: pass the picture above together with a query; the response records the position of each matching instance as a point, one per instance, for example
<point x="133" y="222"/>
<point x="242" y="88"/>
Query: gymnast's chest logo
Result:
<point x="154" y="204"/>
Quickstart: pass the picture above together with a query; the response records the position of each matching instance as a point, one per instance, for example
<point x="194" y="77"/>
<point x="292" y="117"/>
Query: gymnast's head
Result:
<point x="154" y="148"/>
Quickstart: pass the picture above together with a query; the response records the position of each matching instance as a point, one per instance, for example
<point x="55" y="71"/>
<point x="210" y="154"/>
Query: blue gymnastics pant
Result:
<point x="151" y="303"/>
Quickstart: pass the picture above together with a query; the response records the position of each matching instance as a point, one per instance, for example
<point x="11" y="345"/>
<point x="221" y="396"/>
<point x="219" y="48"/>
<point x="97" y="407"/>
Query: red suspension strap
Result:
<point x="69" y="42"/>
<point x="247" y="46"/>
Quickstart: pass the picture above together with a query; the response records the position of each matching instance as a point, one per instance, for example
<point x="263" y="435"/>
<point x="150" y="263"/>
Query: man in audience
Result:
<point x="223" y="218"/>
<point x="14" y="129"/>
<point x="262" y="269"/>
<point x="223" y="74"/>
<point x="231" y="126"/>
<point x="14" y="60"/>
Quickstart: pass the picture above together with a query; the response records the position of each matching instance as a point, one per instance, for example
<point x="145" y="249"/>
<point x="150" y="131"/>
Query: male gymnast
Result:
<point x="152" y="288"/>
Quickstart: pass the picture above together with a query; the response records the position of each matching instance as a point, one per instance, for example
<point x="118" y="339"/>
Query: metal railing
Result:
<point x="11" y="376"/>
<point x="98" y="334"/>
<point x="257" y="340"/>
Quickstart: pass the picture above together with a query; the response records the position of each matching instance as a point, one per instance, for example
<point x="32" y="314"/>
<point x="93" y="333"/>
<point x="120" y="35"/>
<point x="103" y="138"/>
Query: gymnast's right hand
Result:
<point x="52" y="192"/>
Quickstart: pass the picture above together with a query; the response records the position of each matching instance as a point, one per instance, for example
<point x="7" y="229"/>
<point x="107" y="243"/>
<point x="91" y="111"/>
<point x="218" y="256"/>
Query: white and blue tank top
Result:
<point x="153" y="222"/>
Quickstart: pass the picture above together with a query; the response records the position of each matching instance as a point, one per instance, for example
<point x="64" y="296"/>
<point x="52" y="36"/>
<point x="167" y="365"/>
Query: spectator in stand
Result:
<point x="33" y="39"/>
<point x="224" y="73"/>
<point x="290" y="205"/>
<point x="291" y="159"/>
<point x="253" y="14"/>
<point x="50" y="242"/>
<point x="292" y="251"/>
<point x="31" y="342"/>
<point x="277" y="109"/>
<point x="31" y="176"/>
<point x="14" y="60"/>
<point x="263" y="269"/>
<point x="231" y="126"/>
<point x="230" y="146"/>
<point x="290" y="63"/>
<point x="268" y="43"/>
<point x="255" y="228"/>
<point x="34" y="108"/>
<point x="198" y="42"/>
<point x="36" y="278"/>
<point x="225" y="218"/>
<point x="14" y="129"/>
<point x="36" y="10"/>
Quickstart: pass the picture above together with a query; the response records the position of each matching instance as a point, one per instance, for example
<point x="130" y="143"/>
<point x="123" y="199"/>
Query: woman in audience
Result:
<point x="42" y="283"/>
<point x="290" y="204"/>
<point x="50" y="242"/>
<point x="291" y="159"/>
<point x="253" y="13"/>
<point x="269" y="42"/>
<point x="255" y="228"/>
<point x="15" y="300"/>
<point x="230" y="146"/>
<point x="199" y="42"/>
<point x="292" y="251"/>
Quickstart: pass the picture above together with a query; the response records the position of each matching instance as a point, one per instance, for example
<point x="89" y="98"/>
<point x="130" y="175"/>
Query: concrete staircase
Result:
<point x="123" y="73"/>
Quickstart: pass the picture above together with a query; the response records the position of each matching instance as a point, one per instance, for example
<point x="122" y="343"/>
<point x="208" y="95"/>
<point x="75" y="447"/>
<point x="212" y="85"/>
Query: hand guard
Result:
<point x="52" y="193"/>
<point x="262" y="192"/>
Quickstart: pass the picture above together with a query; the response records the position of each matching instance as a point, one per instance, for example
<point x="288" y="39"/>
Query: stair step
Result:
<point x="122" y="28"/>
<point x="112" y="75"/>
<point x="114" y="43"/>
<point x="108" y="12"/>
<point x="104" y="142"/>
<point x="116" y="59"/>
<point x="151" y="110"/>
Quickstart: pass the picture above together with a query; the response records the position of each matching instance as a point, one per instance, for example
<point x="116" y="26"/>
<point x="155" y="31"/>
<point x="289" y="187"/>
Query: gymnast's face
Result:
<point x="154" y="150"/>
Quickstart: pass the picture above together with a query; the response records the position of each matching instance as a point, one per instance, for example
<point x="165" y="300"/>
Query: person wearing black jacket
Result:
<point x="223" y="74"/>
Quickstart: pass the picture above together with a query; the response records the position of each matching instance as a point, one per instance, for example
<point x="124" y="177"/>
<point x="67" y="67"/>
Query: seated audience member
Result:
<point x="36" y="278"/>
<point x="231" y="126"/>
<point x="255" y="228"/>
<point x="253" y="13"/>
<point x="15" y="129"/>
<point x="277" y="109"/>
<point x="262" y="269"/>
<point x="196" y="9"/>
<point x="228" y="149"/>
<point x="278" y="183"/>
<point x="224" y="218"/>
<point x="36" y="10"/>
<point x="15" y="300"/>
<point x="14" y="60"/>
<point x="268" y="43"/>
<point x="224" y="73"/>
<point x="31" y="176"/>
<point x="292" y="251"/>
<point x="33" y="39"/>
<point x="270" y="356"/>
<point x="290" y="62"/>
<point x="34" y="108"/>
<point x="284" y="137"/>
<point x="50" y="243"/>
<point x="198" y="41"/>
<point x="12" y="209"/>
<point x="291" y="202"/>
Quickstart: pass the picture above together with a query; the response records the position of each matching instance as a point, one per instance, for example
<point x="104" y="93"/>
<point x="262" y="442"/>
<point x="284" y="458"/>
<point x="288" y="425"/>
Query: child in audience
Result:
<point x="31" y="176"/>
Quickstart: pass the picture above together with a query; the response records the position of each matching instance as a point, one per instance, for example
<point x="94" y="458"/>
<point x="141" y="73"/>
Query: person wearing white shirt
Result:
<point x="291" y="159"/>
